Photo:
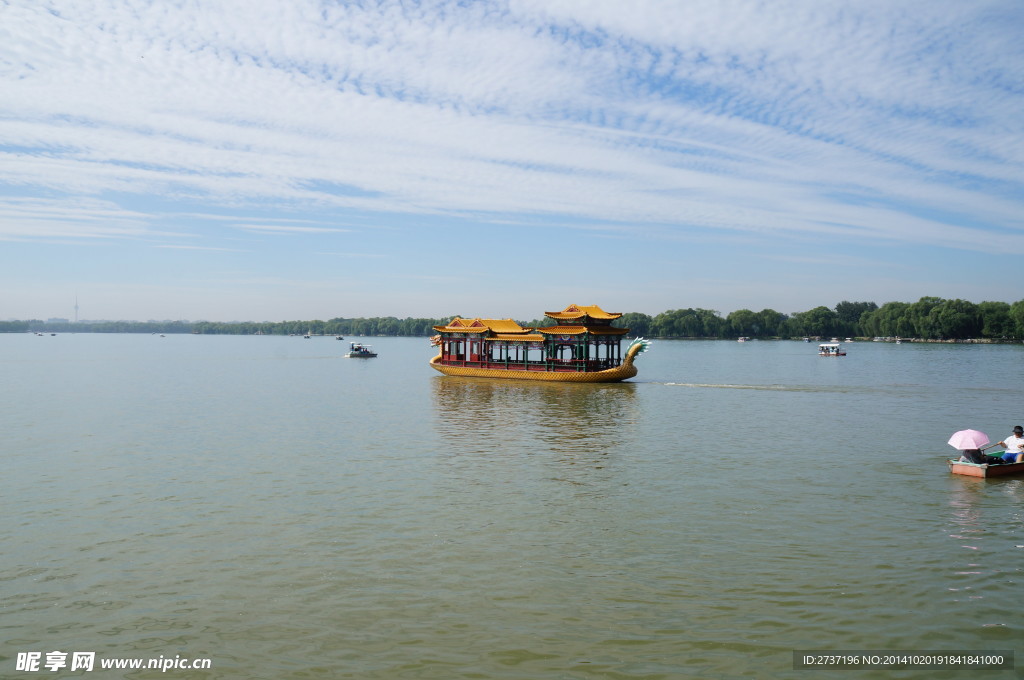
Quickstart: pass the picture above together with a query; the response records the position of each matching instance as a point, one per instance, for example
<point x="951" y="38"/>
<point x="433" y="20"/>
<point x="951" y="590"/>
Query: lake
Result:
<point x="265" y="503"/>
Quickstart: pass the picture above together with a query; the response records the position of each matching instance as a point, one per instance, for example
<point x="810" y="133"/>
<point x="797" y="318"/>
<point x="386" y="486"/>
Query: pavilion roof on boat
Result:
<point x="583" y="313"/>
<point x="460" y="325"/>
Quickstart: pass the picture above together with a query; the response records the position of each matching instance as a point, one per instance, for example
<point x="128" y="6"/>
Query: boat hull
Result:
<point x="983" y="470"/>
<point x="617" y="374"/>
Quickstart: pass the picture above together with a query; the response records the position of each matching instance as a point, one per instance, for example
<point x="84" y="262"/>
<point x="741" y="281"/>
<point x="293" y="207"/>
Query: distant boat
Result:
<point x="339" y="338"/>
<point x="360" y="351"/>
<point x="831" y="349"/>
<point x="743" y="338"/>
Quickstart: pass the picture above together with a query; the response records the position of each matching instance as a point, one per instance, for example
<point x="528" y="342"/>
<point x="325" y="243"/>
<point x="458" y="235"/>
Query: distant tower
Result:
<point x="76" y="309"/>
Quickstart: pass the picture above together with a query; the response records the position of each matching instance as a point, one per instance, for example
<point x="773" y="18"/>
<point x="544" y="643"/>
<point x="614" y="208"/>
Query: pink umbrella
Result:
<point x="968" y="439"/>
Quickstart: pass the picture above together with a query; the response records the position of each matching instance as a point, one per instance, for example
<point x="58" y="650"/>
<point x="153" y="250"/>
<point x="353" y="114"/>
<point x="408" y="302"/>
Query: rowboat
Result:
<point x="984" y="470"/>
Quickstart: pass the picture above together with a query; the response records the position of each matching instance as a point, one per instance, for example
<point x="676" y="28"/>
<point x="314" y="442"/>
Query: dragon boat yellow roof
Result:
<point x="580" y="311"/>
<point x="579" y="330"/>
<point x="502" y="326"/>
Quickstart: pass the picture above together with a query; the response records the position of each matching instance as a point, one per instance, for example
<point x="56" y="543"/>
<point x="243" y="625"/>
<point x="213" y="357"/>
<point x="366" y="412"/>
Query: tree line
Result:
<point x="360" y="326"/>
<point x="930" y="318"/>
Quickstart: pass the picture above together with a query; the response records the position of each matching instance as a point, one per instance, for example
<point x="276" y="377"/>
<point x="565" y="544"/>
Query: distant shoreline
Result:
<point x="856" y="340"/>
<point x="930" y="319"/>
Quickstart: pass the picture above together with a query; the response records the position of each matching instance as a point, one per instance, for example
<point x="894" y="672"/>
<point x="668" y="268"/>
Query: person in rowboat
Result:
<point x="979" y="458"/>
<point x="1014" y="445"/>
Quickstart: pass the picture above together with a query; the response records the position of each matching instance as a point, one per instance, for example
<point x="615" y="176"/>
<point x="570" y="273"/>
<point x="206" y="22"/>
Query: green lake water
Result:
<point x="289" y="513"/>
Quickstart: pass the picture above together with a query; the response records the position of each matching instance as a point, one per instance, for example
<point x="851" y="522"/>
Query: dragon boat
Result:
<point x="581" y="345"/>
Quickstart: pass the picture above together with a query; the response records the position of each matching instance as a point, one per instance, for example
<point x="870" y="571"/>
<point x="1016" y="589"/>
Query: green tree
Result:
<point x="849" y="314"/>
<point x="742" y="322"/>
<point x="688" y="323"/>
<point x="771" y="323"/>
<point x="822" y="321"/>
<point x="711" y="324"/>
<point x="995" y="320"/>
<point x="670" y="324"/>
<point x="955" y="319"/>
<point x="639" y="325"/>
<point x="1017" y="317"/>
<point x="387" y="326"/>
<point x="889" y="320"/>
<point x="13" y="326"/>
<point x="924" y="324"/>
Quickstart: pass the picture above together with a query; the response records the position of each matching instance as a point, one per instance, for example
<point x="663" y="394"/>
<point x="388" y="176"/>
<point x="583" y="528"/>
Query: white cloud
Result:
<point x="868" y="122"/>
<point x="206" y="248"/>
<point x="24" y="218"/>
<point x="289" y="229"/>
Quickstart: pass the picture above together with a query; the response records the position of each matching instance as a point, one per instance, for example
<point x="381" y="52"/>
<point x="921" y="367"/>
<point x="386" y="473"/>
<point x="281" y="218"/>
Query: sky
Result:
<point x="273" y="160"/>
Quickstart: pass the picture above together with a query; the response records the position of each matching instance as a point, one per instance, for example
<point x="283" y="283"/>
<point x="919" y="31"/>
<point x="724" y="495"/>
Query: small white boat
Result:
<point x="360" y="351"/>
<point x="743" y="338"/>
<point x="831" y="349"/>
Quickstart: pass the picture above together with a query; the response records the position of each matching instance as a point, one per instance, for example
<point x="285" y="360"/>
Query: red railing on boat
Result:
<point x="557" y="365"/>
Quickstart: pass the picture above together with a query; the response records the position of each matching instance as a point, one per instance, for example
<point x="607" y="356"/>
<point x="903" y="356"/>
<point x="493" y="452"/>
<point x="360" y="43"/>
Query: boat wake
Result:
<point x="781" y="388"/>
<point x="844" y="389"/>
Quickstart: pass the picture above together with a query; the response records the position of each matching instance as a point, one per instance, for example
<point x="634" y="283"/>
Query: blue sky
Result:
<point x="298" y="159"/>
